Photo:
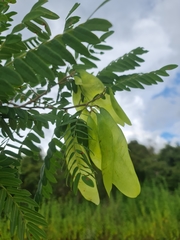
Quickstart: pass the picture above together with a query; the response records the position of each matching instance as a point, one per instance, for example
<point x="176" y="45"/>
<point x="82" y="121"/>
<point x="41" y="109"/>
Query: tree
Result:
<point x="44" y="73"/>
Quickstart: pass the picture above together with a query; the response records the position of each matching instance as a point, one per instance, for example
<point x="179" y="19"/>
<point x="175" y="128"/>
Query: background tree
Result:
<point x="42" y="73"/>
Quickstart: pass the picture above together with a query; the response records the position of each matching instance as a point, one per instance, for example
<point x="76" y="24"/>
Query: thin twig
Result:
<point x="52" y="107"/>
<point x="40" y="95"/>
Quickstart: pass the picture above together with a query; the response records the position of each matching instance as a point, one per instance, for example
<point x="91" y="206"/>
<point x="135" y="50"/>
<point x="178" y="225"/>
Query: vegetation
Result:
<point x="154" y="215"/>
<point x="39" y="76"/>
<point x="150" y="166"/>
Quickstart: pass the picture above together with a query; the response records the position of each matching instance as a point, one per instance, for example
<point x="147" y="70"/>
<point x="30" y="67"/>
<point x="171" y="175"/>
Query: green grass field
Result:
<point x="154" y="215"/>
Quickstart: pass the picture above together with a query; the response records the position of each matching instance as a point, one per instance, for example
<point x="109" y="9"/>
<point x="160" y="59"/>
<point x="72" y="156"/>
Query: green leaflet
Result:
<point x="36" y="231"/>
<point x="33" y="137"/>
<point x="42" y="22"/>
<point x="46" y="13"/>
<point x="124" y="63"/>
<point x="57" y="46"/>
<point x="14" y="218"/>
<point x="49" y="55"/>
<point x="50" y="176"/>
<point x="4" y="55"/>
<point x="106" y="144"/>
<point x="106" y="35"/>
<point x="10" y="182"/>
<point x="40" y="12"/>
<point x="18" y="28"/>
<point x="38" y="65"/>
<point x="2" y="199"/>
<point x="84" y="35"/>
<point x="75" y="6"/>
<point x="6" y="90"/>
<point x="39" y="4"/>
<point x="76" y="156"/>
<point x="5" y="129"/>
<point x="88" y="63"/>
<point x="25" y="71"/>
<point x="70" y="22"/>
<point x="117" y="108"/>
<point x="120" y="168"/>
<point x="10" y="76"/>
<point x="12" y="38"/>
<point x="27" y="142"/>
<point x="97" y="24"/>
<point x="103" y="47"/>
<point x="75" y="44"/>
<point x="37" y="30"/>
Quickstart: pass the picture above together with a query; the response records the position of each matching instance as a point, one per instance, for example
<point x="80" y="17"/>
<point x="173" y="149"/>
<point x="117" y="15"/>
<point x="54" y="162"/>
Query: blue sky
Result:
<point x="154" y="25"/>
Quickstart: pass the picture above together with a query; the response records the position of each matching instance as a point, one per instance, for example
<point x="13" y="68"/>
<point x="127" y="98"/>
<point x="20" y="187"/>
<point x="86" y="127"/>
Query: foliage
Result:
<point x="160" y="167"/>
<point x="36" y="84"/>
<point x="155" y="214"/>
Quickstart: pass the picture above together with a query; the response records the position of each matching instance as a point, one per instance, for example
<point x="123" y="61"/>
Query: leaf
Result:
<point x="21" y="114"/>
<point x="39" y="12"/>
<point x="117" y="167"/>
<point x="45" y="117"/>
<point x="84" y="35"/>
<point x="76" y="182"/>
<point x="8" y="205"/>
<point x="97" y="24"/>
<point x="12" y="38"/>
<point x="104" y="2"/>
<point x="59" y="47"/>
<point x="4" y="109"/>
<point x="75" y="44"/>
<point x="32" y="15"/>
<point x="18" y="28"/>
<point x="19" y="192"/>
<point x="2" y="199"/>
<point x="70" y="22"/>
<point x="25" y="71"/>
<point x="38" y="65"/>
<point x="33" y="137"/>
<point x="10" y="76"/>
<point x="87" y="181"/>
<point x="75" y="6"/>
<point x="4" y="55"/>
<point x="6" y="128"/>
<point x="14" y="217"/>
<point x="6" y="90"/>
<point x="38" y="4"/>
<point x="27" y="152"/>
<point x="37" y="220"/>
<point x="103" y="47"/>
<point x="37" y="30"/>
<point x="50" y="176"/>
<point x="79" y="159"/>
<point x="20" y="228"/>
<point x="49" y="55"/>
<point x="27" y="142"/>
<point x="106" y="35"/>
<point x="46" y="13"/>
<point x="42" y="22"/>
<point x="169" y="67"/>
<point x="24" y="199"/>
<point x="35" y="230"/>
<point x="10" y="182"/>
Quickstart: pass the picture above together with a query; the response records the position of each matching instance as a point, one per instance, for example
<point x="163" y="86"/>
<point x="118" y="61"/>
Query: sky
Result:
<point x="153" y="25"/>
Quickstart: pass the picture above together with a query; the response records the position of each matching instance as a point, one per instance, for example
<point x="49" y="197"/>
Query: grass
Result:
<point x="154" y="215"/>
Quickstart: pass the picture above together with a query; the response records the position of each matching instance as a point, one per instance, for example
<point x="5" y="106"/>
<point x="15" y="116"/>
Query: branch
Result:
<point x="53" y="107"/>
<point x="62" y="81"/>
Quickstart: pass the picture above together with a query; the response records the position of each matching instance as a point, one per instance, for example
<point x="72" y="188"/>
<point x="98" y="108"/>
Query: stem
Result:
<point x="52" y="107"/>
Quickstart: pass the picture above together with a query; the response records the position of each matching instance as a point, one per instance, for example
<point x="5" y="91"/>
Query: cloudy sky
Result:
<point x="152" y="24"/>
